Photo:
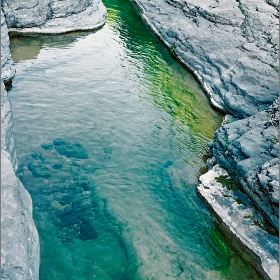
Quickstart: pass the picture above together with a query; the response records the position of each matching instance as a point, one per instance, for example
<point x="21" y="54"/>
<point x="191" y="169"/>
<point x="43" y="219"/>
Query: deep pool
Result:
<point x="110" y="134"/>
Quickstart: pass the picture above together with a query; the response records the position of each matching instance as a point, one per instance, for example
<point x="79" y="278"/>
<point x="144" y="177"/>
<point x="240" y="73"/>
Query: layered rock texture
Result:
<point x="53" y="16"/>
<point x="249" y="150"/>
<point x="20" y="251"/>
<point x="232" y="47"/>
<point x="241" y="220"/>
<point x="7" y="64"/>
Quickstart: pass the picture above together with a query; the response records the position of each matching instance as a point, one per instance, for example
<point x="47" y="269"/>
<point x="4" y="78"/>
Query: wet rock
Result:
<point x="231" y="46"/>
<point x="53" y="17"/>
<point x="249" y="150"/>
<point x="7" y="64"/>
<point x="7" y="139"/>
<point x="20" y="251"/>
<point x="242" y="220"/>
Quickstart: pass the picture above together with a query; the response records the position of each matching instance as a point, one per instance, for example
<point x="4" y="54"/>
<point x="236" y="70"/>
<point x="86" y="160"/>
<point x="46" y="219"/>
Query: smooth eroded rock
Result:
<point x="249" y="150"/>
<point x="231" y="46"/>
<point x="20" y="251"/>
<point x="53" y="17"/>
<point x="7" y="64"/>
<point x="242" y="220"/>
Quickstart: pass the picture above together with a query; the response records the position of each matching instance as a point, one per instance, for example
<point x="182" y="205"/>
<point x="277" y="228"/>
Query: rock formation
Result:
<point x="20" y="250"/>
<point x="249" y="150"/>
<point x="53" y="16"/>
<point x="241" y="220"/>
<point x="231" y="46"/>
<point x="7" y="64"/>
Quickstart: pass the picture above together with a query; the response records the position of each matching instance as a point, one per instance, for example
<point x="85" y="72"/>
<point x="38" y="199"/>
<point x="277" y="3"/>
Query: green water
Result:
<point x="110" y="133"/>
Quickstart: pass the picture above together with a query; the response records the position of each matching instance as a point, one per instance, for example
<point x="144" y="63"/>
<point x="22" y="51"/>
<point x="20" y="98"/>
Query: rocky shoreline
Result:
<point x="20" y="248"/>
<point x="229" y="50"/>
<point x="232" y="49"/>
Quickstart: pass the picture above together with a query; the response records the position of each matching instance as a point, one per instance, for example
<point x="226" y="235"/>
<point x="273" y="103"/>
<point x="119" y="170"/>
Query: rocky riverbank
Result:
<point x="20" y="249"/>
<point x="232" y="48"/>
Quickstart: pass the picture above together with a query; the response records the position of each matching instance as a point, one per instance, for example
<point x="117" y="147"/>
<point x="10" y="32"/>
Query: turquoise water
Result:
<point x="111" y="135"/>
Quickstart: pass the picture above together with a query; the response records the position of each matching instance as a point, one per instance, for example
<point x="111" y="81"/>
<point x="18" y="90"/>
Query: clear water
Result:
<point x="110" y="134"/>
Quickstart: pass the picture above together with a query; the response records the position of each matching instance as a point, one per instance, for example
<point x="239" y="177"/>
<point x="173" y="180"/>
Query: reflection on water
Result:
<point x="110" y="134"/>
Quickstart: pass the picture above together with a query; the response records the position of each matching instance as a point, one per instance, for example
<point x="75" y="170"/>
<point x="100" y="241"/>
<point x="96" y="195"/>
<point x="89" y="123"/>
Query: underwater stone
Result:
<point x="70" y="150"/>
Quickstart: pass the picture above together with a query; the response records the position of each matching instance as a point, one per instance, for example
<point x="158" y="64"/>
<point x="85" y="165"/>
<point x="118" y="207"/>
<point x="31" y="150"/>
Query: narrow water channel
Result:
<point x="110" y="134"/>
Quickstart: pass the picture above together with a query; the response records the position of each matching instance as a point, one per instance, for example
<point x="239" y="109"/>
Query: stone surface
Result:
<point x="53" y="17"/>
<point x="7" y="64"/>
<point x="249" y="150"/>
<point x="230" y="46"/>
<point x="7" y="139"/>
<point x="20" y="251"/>
<point x="238" y="214"/>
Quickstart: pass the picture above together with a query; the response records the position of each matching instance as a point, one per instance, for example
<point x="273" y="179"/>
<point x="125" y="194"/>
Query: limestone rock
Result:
<point x="53" y="17"/>
<point x="7" y="139"/>
<point x="20" y="251"/>
<point x="7" y="64"/>
<point x="249" y="149"/>
<point x="242" y="221"/>
<point x="19" y="238"/>
<point x="231" y="46"/>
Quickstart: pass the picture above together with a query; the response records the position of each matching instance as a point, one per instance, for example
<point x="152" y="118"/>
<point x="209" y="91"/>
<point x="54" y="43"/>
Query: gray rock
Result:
<point x="249" y="150"/>
<point x="230" y="46"/>
<point x="7" y="139"/>
<point x="242" y="221"/>
<point x="7" y="64"/>
<point x="53" y="17"/>
<point x="20" y="251"/>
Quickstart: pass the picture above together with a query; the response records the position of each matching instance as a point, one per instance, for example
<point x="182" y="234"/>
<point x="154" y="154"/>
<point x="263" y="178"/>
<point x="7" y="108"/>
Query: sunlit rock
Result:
<point x="7" y="64"/>
<point x="241" y="219"/>
<point x="19" y="238"/>
<point x="53" y="17"/>
<point x="231" y="46"/>
<point x="249" y="149"/>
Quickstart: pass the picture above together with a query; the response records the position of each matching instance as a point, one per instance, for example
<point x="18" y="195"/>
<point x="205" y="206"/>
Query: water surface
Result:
<point x="110" y="133"/>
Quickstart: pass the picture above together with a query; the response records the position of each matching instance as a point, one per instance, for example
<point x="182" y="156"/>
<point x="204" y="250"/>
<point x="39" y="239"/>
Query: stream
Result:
<point x="111" y="137"/>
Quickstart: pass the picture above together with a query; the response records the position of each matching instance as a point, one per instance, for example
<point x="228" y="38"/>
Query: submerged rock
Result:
<point x="53" y="17"/>
<point x="7" y="64"/>
<point x="230" y="46"/>
<point x="70" y="150"/>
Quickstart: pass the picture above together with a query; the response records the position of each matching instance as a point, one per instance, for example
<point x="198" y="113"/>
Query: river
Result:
<point x="111" y="135"/>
